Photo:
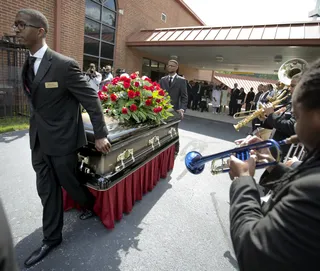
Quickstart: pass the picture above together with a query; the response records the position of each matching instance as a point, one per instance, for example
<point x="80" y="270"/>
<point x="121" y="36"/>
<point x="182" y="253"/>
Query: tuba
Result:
<point x="287" y="70"/>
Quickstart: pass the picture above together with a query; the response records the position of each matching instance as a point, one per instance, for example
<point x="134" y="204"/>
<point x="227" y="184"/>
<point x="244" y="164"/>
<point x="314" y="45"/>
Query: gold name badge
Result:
<point x="51" y="84"/>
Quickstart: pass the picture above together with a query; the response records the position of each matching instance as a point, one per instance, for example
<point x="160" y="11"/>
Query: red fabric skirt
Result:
<point x="119" y="199"/>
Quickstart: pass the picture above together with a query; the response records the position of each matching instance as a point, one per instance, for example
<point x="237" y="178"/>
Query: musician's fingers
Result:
<point x="254" y="139"/>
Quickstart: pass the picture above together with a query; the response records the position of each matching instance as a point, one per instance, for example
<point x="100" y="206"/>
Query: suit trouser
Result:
<point x="53" y="172"/>
<point x="177" y="145"/>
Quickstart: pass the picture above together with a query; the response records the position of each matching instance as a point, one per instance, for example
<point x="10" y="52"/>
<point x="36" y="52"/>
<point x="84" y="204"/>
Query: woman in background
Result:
<point x="216" y="97"/>
<point x="224" y="99"/>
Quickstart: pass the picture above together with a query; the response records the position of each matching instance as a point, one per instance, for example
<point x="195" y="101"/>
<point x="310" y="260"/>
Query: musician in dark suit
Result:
<point x="177" y="89"/>
<point x="283" y="233"/>
<point x="7" y="255"/>
<point x="56" y="88"/>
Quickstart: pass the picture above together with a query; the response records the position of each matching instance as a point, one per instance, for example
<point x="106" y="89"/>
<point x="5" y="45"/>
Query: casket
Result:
<point x="132" y="146"/>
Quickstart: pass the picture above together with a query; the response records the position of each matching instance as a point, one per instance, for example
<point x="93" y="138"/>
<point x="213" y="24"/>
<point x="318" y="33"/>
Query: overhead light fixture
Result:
<point x="219" y="58"/>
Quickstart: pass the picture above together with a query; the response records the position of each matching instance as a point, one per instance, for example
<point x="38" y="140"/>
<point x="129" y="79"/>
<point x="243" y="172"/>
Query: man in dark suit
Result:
<point x="177" y="89"/>
<point x="233" y="106"/>
<point x="56" y="89"/>
<point x="283" y="232"/>
<point x="7" y="255"/>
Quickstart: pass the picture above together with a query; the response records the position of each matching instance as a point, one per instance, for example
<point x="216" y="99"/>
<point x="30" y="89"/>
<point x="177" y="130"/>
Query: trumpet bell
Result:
<point x="190" y="159"/>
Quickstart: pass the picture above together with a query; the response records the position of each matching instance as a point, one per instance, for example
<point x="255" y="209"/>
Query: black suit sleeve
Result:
<point x="184" y="94"/>
<point x="281" y="124"/>
<point x="282" y="239"/>
<point x="7" y="255"/>
<point x="88" y="98"/>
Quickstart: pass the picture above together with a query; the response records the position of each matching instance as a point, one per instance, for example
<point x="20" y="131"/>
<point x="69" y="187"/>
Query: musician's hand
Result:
<point x="240" y="168"/>
<point x="265" y="151"/>
<point x="181" y="112"/>
<point x="281" y="110"/>
<point x="103" y="145"/>
<point x="268" y="109"/>
<point x="290" y="162"/>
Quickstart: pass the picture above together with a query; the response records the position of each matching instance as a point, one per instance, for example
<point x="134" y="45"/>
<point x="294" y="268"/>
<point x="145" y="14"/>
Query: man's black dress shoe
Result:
<point x="87" y="214"/>
<point x="39" y="254"/>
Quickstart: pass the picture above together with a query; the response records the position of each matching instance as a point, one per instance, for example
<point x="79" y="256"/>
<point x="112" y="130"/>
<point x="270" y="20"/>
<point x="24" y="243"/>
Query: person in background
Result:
<point x="224" y="99"/>
<point x="190" y="85"/>
<point x="233" y="100"/>
<point x="240" y="99"/>
<point x="7" y="254"/>
<point x="107" y="75"/>
<point x="249" y="98"/>
<point x="176" y="86"/>
<point x="215" y="99"/>
<point x="93" y="77"/>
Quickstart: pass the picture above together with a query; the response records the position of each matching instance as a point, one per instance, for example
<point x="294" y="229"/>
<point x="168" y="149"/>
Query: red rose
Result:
<point x="157" y="109"/>
<point x="136" y="84"/>
<point x="115" y="80"/>
<point x="158" y="100"/>
<point x="113" y="97"/>
<point x="105" y="88"/>
<point x="107" y="110"/>
<point x="133" y="107"/>
<point x="126" y="84"/>
<point x="102" y="95"/>
<point x="146" y="87"/>
<point x="137" y="93"/>
<point x="124" y="110"/>
<point x="131" y="94"/>
<point x="161" y="92"/>
<point x="148" y="102"/>
<point x="133" y="75"/>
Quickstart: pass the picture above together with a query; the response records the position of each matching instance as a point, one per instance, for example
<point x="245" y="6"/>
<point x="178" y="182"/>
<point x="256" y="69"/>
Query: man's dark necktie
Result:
<point x="30" y="72"/>
<point x="170" y="81"/>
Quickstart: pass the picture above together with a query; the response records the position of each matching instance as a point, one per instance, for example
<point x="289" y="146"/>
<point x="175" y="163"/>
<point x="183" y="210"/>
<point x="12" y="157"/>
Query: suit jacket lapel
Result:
<point x="42" y="70"/>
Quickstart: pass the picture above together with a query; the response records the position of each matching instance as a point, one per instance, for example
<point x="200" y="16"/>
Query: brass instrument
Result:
<point x="195" y="162"/>
<point x="259" y="112"/>
<point x="287" y="70"/>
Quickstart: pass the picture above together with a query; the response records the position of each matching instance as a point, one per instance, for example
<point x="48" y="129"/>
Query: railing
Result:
<point x="13" y="102"/>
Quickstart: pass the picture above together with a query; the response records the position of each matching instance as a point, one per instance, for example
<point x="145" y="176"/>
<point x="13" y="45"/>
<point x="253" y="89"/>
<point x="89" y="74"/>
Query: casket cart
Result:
<point x="140" y="155"/>
<point x="132" y="146"/>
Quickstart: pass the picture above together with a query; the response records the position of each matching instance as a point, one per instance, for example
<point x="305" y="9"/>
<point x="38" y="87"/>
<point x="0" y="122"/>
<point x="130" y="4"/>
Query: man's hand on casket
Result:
<point x="103" y="145"/>
<point x="181" y="112"/>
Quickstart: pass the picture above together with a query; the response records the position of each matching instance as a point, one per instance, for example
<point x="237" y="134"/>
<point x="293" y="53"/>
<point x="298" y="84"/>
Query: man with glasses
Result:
<point x="56" y="87"/>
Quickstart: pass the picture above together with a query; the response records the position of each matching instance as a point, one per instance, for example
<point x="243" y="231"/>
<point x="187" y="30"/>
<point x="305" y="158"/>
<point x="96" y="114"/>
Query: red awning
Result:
<point x="242" y="81"/>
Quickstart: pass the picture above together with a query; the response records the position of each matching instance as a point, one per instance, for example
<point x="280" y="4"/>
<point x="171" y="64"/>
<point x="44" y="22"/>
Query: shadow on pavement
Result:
<point x="88" y="245"/>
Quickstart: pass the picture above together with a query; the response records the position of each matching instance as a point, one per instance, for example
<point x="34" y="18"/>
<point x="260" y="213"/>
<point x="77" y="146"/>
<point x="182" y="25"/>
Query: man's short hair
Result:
<point x="174" y="61"/>
<point x="36" y="18"/>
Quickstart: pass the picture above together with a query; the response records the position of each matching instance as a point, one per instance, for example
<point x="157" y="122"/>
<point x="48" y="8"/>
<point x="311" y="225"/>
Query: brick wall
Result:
<point x="71" y="24"/>
<point x="72" y="29"/>
<point x="9" y="8"/>
<point x="145" y="15"/>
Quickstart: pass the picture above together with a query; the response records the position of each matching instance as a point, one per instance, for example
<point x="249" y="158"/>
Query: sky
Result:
<point x="246" y="12"/>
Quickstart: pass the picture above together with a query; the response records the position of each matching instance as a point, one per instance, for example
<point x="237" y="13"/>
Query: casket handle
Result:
<point x="123" y="156"/>
<point x="154" y="140"/>
<point x="172" y="132"/>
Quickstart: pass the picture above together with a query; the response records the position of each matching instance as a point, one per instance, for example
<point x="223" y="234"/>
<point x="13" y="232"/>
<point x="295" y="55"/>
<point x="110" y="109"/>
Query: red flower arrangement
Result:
<point x="135" y="99"/>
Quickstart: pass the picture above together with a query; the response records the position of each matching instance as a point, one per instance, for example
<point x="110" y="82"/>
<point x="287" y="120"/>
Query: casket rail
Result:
<point x="131" y="147"/>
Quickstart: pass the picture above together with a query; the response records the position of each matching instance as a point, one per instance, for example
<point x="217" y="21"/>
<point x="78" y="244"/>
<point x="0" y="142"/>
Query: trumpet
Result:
<point x="259" y="112"/>
<point x="195" y="162"/>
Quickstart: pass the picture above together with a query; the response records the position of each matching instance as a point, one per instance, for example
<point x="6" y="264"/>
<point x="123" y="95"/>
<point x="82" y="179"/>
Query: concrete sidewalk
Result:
<point x="222" y="117"/>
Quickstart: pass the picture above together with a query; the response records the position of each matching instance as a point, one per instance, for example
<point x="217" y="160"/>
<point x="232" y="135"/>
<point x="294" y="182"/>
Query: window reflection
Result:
<point x="106" y="50"/>
<point x="108" y="34"/>
<point x="91" y="46"/>
<point x="93" y="10"/>
<point x="108" y="17"/>
<point x="109" y="4"/>
<point x="92" y="29"/>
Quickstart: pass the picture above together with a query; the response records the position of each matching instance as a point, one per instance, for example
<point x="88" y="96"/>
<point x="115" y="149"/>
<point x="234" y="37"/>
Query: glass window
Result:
<point x="92" y="29"/>
<point x="89" y="59"/>
<point x="154" y="64"/>
<point x="106" y="50"/>
<point x="91" y="46"/>
<point x="93" y="10"/>
<point x="108" y="17"/>
<point x="99" y="31"/>
<point x="109" y="4"/>
<point x="108" y="34"/>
